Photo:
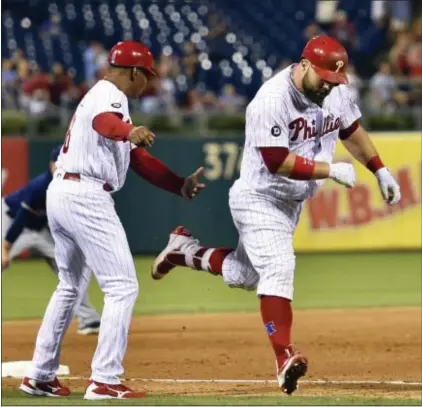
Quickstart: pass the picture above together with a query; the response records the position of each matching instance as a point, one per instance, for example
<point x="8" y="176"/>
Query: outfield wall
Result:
<point x="335" y="219"/>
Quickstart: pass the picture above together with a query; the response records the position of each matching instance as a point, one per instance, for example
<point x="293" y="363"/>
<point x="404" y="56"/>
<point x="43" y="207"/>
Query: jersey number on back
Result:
<point x="68" y="134"/>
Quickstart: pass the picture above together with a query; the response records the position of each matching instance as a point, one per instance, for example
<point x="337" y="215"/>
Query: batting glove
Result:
<point x="343" y="173"/>
<point x="390" y="189"/>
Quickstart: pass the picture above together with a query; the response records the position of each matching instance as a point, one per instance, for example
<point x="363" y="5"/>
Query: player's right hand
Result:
<point x="141" y="137"/>
<point x="343" y="173"/>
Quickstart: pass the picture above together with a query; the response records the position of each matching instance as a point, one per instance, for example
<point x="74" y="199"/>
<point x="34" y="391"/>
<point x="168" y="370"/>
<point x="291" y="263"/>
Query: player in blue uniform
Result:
<point x="25" y="226"/>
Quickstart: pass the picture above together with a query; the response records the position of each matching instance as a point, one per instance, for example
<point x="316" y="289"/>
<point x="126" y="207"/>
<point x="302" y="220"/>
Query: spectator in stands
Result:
<point x="101" y="62"/>
<point x="355" y="83"/>
<point x="229" y="101"/>
<point x="37" y="80"/>
<point x="60" y="83"/>
<point x="8" y="85"/>
<point x="382" y="86"/>
<point x="414" y="52"/>
<point x="21" y="65"/>
<point x="398" y="54"/>
<point x="191" y="102"/>
<point x="51" y="27"/>
<point x="397" y="11"/>
<point x="91" y="66"/>
<point x="218" y="47"/>
<point x="18" y="58"/>
<point x="190" y="63"/>
<point x="39" y="104"/>
<point x="168" y="71"/>
<point x="344" y="31"/>
<point x="311" y="31"/>
<point x="209" y="100"/>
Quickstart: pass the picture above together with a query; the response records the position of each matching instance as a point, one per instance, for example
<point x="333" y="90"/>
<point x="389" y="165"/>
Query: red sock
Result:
<point x="217" y="258"/>
<point x="277" y="316"/>
<point x="213" y="265"/>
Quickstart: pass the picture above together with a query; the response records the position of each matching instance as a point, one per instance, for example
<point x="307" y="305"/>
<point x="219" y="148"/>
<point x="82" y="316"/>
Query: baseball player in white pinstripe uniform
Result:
<point x="100" y="145"/>
<point x="292" y="127"/>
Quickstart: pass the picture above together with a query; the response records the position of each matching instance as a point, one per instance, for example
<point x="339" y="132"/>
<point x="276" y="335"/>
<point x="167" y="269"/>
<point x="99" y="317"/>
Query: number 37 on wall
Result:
<point x="222" y="160"/>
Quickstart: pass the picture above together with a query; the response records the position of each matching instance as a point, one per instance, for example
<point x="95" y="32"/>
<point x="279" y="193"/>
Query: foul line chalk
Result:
<point x="246" y="381"/>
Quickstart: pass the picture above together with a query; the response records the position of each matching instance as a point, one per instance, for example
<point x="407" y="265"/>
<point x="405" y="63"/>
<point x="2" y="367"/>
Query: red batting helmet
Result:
<point x="328" y="57"/>
<point x="132" y="54"/>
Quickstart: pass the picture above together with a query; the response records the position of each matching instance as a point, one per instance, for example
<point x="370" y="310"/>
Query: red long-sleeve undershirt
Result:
<point x="274" y="157"/>
<point x="150" y="168"/>
<point x="154" y="171"/>
<point x="111" y="126"/>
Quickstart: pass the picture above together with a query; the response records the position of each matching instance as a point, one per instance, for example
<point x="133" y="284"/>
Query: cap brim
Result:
<point x="330" y="76"/>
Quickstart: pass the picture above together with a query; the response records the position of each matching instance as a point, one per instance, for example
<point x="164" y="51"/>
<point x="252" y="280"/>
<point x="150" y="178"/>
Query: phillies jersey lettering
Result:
<point x="309" y="130"/>
<point x="281" y="116"/>
<point x="88" y="153"/>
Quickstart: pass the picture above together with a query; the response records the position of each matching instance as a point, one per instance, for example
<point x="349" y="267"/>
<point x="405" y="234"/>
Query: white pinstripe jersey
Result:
<point x="281" y="116"/>
<point x="88" y="153"/>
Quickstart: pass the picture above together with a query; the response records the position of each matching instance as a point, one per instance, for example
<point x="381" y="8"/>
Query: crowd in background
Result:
<point x="392" y="79"/>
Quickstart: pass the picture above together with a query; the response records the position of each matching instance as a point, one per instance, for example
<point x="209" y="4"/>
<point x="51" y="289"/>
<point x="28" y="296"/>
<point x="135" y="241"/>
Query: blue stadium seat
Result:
<point x="260" y="33"/>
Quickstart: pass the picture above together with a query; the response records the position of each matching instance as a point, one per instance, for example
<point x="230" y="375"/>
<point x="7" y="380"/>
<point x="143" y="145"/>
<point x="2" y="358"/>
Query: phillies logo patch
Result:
<point x="270" y="328"/>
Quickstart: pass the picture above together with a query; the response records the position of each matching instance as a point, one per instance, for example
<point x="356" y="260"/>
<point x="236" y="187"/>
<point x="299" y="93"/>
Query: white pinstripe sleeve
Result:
<point x="350" y="111"/>
<point x="266" y="122"/>
<point x="111" y="102"/>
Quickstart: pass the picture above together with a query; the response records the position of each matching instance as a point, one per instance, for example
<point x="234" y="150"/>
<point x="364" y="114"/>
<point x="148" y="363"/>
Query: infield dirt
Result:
<point x="345" y="345"/>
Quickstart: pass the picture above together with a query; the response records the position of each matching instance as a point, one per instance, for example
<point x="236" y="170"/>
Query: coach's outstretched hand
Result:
<point x="192" y="187"/>
<point x="141" y="137"/>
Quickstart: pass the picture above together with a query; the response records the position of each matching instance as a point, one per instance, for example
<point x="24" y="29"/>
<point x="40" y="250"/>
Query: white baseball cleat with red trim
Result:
<point x="103" y="391"/>
<point x="179" y="237"/>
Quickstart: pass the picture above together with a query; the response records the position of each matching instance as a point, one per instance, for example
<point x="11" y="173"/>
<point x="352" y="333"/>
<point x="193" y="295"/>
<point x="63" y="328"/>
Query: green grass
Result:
<point x="322" y="281"/>
<point x="14" y="397"/>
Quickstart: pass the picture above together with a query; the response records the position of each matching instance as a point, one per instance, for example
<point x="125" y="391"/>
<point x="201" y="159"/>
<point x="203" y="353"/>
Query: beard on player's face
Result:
<point x="314" y="88"/>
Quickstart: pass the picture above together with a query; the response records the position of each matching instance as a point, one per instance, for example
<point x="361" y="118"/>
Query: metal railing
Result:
<point x="382" y="109"/>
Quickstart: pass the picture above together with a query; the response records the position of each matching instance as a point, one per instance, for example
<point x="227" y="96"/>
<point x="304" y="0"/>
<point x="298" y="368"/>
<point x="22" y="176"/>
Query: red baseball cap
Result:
<point x="328" y="57"/>
<point x="132" y="54"/>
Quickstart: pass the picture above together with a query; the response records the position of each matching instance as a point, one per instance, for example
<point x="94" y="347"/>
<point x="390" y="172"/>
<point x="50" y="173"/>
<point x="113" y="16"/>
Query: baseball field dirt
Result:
<point x="368" y="345"/>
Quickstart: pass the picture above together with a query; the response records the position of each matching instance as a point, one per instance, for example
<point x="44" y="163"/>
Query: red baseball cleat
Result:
<point x="103" y="391"/>
<point x="48" y="389"/>
<point x="292" y="370"/>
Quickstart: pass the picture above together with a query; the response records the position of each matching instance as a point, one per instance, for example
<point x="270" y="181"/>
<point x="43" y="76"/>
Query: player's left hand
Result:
<point x="192" y="186"/>
<point x="389" y="187"/>
<point x="5" y="256"/>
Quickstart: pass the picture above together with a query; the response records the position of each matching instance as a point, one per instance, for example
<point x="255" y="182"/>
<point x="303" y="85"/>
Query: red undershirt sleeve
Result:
<point x="111" y="126"/>
<point x="154" y="171"/>
<point x="274" y="157"/>
<point x="346" y="133"/>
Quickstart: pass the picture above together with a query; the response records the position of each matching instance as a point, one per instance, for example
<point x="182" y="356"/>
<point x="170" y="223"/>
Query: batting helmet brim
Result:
<point x="331" y="76"/>
<point x="148" y="70"/>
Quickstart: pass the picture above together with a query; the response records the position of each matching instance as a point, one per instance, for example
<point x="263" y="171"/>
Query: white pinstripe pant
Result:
<point x="88" y="236"/>
<point x="264" y="258"/>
